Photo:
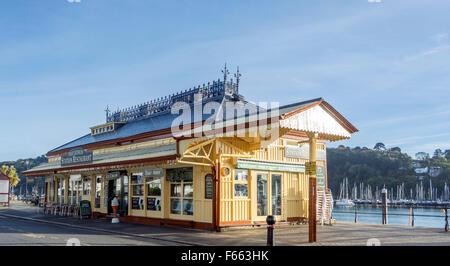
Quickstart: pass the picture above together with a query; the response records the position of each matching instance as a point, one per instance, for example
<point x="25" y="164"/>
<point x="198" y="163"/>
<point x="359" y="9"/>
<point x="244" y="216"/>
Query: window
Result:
<point x="69" y="196"/>
<point x="240" y="183"/>
<point x="137" y="191"/>
<point x="60" y="192"/>
<point x="153" y="193"/>
<point x="262" y="194"/>
<point x="175" y="198"/>
<point x="87" y="186"/>
<point x="188" y="199"/>
<point x="276" y="194"/>
<point x="182" y="198"/>
<point x="51" y="192"/>
<point x="181" y="191"/>
<point x="98" y="191"/>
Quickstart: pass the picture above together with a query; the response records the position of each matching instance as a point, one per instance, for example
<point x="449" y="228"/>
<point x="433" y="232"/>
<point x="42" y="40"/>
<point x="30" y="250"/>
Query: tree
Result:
<point x="422" y="156"/>
<point x="379" y="146"/>
<point x="396" y="149"/>
<point x="447" y="154"/>
<point x="438" y="153"/>
<point x="11" y="172"/>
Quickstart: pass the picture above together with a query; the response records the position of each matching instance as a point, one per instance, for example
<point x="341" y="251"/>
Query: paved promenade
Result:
<point x="340" y="234"/>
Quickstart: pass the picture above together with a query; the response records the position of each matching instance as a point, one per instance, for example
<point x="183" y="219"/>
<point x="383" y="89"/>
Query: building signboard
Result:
<point x="302" y="152"/>
<point x="270" y="166"/>
<point x="153" y="172"/>
<point x="77" y="156"/>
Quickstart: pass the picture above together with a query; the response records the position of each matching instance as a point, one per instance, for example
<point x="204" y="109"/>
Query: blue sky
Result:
<point x="384" y="66"/>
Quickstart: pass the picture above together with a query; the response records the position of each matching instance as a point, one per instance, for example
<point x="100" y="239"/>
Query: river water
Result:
<point x="396" y="216"/>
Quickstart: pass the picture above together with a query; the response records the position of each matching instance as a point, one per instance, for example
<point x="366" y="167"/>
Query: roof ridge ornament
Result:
<point x="216" y="89"/>
<point x="238" y="76"/>
<point x="107" y="112"/>
<point x="225" y="73"/>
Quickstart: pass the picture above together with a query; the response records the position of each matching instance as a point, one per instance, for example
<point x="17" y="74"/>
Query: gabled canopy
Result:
<point x="321" y="118"/>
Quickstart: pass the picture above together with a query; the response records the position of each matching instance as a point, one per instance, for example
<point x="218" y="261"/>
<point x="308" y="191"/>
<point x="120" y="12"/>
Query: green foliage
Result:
<point x="378" y="167"/>
<point x="11" y="172"/>
<point x="22" y="165"/>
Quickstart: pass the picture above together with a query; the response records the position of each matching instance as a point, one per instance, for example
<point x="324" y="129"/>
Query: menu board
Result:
<point x="85" y="208"/>
<point x="208" y="186"/>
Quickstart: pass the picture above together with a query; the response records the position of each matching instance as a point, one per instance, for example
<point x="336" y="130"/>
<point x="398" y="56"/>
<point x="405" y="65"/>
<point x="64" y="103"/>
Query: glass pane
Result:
<point x="137" y="178"/>
<point x="240" y="174"/>
<point x="154" y="190"/>
<point x="175" y="190"/>
<point x="175" y="206"/>
<point x="276" y="194"/>
<point x="241" y="190"/>
<point x="138" y="190"/>
<point x="154" y="186"/>
<point x="188" y="190"/>
<point x="188" y="207"/>
<point x="154" y="204"/>
<point x="70" y="189"/>
<point x="262" y="194"/>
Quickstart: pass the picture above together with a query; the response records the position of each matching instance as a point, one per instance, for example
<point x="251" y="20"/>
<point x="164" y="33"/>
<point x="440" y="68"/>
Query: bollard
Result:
<point x="446" y="220"/>
<point x="270" y="226"/>
<point x="412" y="222"/>
<point x="356" y="215"/>
<point x="384" y="206"/>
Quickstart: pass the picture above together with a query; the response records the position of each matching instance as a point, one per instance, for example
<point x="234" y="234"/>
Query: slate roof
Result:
<point x="164" y="120"/>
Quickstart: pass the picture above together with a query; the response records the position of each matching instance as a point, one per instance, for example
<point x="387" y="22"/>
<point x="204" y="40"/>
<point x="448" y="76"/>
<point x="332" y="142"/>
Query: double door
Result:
<point x="268" y="194"/>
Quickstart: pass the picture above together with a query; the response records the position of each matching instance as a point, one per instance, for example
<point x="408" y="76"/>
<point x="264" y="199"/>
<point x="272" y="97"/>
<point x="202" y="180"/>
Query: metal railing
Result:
<point x="411" y="214"/>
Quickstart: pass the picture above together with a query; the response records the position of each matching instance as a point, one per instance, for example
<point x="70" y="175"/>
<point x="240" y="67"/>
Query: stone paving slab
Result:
<point x="339" y="234"/>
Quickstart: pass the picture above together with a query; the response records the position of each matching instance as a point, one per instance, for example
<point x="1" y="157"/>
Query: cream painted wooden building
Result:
<point x="204" y="158"/>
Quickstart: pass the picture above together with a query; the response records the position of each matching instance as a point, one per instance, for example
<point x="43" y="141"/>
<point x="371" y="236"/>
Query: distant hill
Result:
<point x="25" y="164"/>
<point x="379" y="167"/>
<point x="372" y="167"/>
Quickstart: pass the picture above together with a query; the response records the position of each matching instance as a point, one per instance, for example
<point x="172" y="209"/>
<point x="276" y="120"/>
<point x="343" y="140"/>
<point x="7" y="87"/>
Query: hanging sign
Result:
<point x="320" y="175"/>
<point x="153" y="172"/>
<point x="76" y="156"/>
<point x="310" y="168"/>
<point x="112" y="175"/>
<point x="302" y="152"/>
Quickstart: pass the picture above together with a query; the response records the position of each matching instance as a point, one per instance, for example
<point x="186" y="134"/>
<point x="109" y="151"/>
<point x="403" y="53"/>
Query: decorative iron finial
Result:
<point x="225" y="73"/>
<point x="107" y="113"/>
<point x="237" y="75"/>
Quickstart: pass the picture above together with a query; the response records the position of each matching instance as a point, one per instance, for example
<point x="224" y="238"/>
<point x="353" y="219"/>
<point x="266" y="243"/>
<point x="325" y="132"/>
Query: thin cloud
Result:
<point x="414" y="138"/>
<point x="441" y="47"/>
<point x="405" y="118"/>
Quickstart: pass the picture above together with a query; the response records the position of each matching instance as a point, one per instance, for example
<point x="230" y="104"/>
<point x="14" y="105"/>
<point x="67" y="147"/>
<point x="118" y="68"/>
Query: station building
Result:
<point x="202" y="158"/>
